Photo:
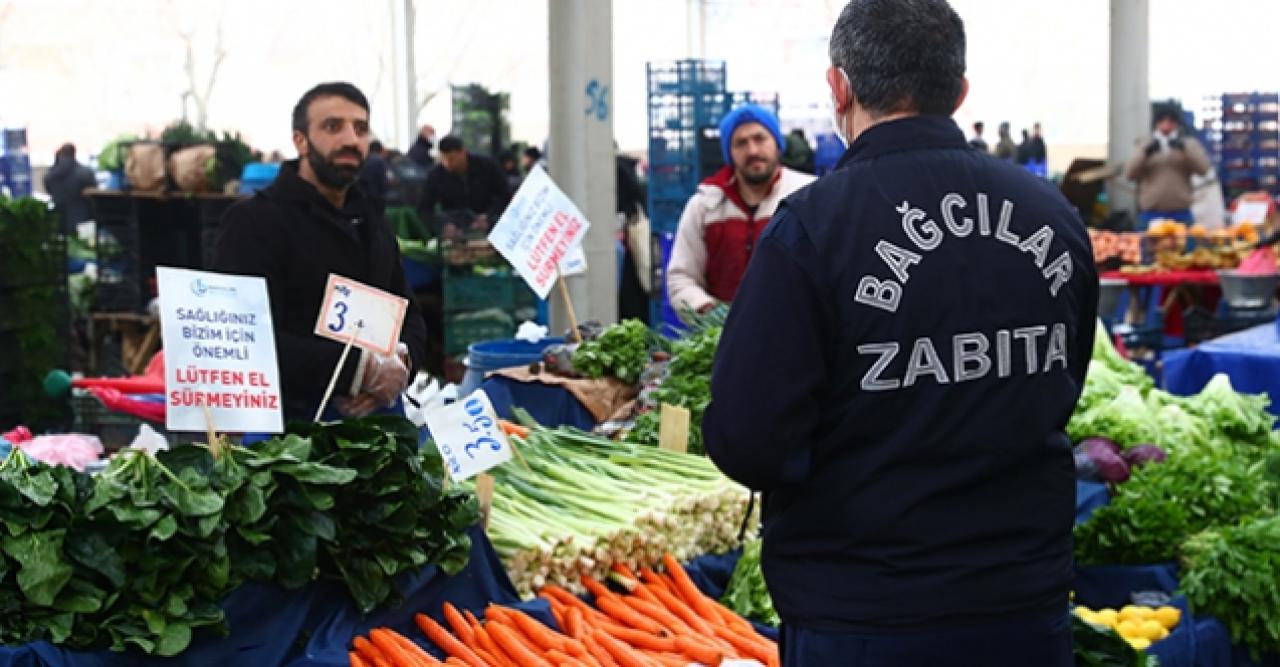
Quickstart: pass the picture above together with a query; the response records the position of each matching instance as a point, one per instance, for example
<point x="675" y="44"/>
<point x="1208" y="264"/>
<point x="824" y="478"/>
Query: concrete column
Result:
<point x="403" y="91"/>
<point x="580" y="153"/>
<point x="1129" y="108"/>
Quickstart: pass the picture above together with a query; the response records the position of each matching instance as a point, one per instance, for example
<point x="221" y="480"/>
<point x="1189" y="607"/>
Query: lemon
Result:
<point x="1151" y="629"/>
<point x="1139" y="643"/>
<point x="1129" y="629"/>
<point x="1168" y="617"/>
<point x="1109" y="617"/>
<point x="1082" y="611"/>
<point x="1132" y="612"/>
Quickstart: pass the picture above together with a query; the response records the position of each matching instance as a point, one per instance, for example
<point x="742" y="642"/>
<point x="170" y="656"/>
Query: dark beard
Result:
<point x="332" y="175"/>
<point x="762" y="178"/>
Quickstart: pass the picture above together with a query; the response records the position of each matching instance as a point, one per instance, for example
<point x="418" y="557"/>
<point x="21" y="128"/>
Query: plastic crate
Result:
<point x="664" y="214"/>
<point x="136" y="234"/>
<point x="462" y="293"/>
<point x="461" y="332"/>
<point x="673" y="181"/>
<point x="686" y="77"/>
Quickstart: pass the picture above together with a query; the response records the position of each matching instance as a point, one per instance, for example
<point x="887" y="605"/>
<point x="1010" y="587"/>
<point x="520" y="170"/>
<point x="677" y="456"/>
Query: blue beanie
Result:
<point x="748" y="113"/>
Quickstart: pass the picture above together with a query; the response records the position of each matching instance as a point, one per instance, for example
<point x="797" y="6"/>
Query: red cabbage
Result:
<point x="1139" y="455"/>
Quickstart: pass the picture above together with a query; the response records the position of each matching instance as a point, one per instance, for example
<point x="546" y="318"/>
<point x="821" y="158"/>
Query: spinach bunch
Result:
<point x="394" y="515"/>
<point x="621" y="351"/>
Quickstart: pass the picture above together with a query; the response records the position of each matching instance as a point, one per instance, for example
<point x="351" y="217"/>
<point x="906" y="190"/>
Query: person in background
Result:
<point x="798" y="154"/>
<point x="374" y="176"/>
<point x="1005" y="148"/>
<point x="1036" y="148"/>
<point x="633" y="298"/>
<point x="464" y="182"/>
<point x="507" y="161"/>
<point x="1162" y="166"/>
<point x="530" y="157"/>
<point x="977" y="141"/>
<point x="66" y="182"/>
<point x="1022" y="155"/>
<point x="717" y="233"/>
<point x="897" y="372"/>
<point x="420" y="152"/>
<point x="312" y="221"/>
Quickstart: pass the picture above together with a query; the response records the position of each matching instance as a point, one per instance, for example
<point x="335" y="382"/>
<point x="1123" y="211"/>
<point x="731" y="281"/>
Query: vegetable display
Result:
<point x="575" y="504"/>
<point x="141" y="554"/>
<point x="1231" y="573"/>
<point x="650" y="619"/>
<point x="1099" y="645"/>
<point x="686" y="382"/>
<point x="621" y="351"/>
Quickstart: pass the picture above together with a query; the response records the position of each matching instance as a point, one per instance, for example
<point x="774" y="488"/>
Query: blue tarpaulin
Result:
<point x="1250" y="357"/>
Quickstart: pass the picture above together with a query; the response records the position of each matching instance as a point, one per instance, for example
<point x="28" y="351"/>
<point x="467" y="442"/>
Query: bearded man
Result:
<point x="724" y="218"/>
<point x="312" y="221"/>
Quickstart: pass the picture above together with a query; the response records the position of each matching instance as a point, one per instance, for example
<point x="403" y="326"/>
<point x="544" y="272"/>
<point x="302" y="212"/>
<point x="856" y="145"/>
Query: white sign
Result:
<point x="541" y="233"/>
<point x="468" y="437"/>
<point x="372" y="315"/>
<point x="1254" y="212"/>
<point x="219" y="352"/>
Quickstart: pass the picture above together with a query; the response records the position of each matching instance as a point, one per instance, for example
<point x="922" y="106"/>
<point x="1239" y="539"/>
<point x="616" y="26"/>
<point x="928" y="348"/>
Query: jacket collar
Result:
<point x="727" y="180"/>
<point x="904" y="134"/>
<point x="290" y="186"/>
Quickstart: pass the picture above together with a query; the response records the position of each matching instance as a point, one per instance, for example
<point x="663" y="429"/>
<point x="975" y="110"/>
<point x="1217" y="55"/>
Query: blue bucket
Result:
<point x="491" y="355"/>
<point x="256" y="176"/>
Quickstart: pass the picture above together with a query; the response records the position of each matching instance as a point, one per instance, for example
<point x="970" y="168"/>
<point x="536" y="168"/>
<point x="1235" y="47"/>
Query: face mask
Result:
<point x="836" y="120"/>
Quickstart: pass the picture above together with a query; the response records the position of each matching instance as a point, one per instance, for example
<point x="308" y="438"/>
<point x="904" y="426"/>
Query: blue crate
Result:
<point x="686" y="77"/>
<point x="664" y="214"/>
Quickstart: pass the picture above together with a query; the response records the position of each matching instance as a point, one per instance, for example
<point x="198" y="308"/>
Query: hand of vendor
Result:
<point x="1177" y="144"/>
<point x="360" y="406"/>
<point x="385" y="377"/>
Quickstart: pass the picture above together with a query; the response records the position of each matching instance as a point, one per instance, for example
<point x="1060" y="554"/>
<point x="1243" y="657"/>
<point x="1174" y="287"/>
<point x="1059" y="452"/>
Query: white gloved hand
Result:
<point x="385" y="377"/>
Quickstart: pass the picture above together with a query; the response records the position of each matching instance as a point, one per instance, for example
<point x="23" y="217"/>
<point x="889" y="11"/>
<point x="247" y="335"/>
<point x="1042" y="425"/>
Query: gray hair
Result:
<point x="901" y="55"/>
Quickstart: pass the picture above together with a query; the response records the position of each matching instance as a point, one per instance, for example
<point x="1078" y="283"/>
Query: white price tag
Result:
<point x="468" y="437"/>
<point x="374" y="316"/>
<point x="1254" y="212"/>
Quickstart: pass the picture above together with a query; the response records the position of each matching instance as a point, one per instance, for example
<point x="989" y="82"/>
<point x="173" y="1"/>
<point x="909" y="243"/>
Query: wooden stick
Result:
<point x="337" y="370"/>
<point x="568" y="304"/>
<point x="215" y="447"/>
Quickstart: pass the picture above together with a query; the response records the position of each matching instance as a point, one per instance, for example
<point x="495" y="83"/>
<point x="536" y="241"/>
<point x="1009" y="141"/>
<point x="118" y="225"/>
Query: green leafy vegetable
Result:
<point x="1231" y="573"/>
<point x="621" y="351"/>
<point x="746" y="593"/>
<point x="686" y="383"/>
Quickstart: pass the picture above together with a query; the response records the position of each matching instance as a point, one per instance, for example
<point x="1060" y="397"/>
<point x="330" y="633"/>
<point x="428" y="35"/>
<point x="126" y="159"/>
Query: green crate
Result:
<point x="476" y="292"/>
<point x="459" y="333"/>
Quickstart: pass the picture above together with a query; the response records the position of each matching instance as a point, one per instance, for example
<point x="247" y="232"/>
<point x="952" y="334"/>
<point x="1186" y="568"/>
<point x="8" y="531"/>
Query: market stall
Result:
<point x="1251" y="358"/>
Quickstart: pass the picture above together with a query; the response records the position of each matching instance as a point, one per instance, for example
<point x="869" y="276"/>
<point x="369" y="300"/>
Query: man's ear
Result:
<point x="841" y="93"/>
<point x="300" y="143"/>
<point x="964" y="92"/>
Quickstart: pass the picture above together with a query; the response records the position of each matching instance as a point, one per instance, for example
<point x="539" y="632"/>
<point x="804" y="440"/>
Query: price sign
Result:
<point x="372" y="315"/>
<point x="468" y="437"/>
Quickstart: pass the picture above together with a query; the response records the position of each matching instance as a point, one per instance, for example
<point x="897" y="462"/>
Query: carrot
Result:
<point x="371" y="653"/>
<point x="746" y="647"/>
<point x="623" y="654"/>
<point x="471" y="619"/>
<point x="642" y="640"/>
<point x="619" y="610"/>
<point x="658" y="613"/>
<point x="520" y="654"/>
<point x="484" y="641"/>
<point x="596" y="588"/>
<point x="447" y="642"/>
<point x="354" y="660"/>
<point x="597" y="651"/>
<point x="681" y="610"/>
<point x="666" y="659"/>
<point x="561" y="659"/>
<point x="412" y="647"/>
<point x="736" y="622"/>
<point x="454" y="662"/>
<point x="694" y="597"/>
<point x="573" y="622"/>
<point x="699" y="651"/>
<point x="622" y="576"/>
<point x="393" y="650"/>
<point x="590" y="614"/>
<point x="648" y="576"/>
<point x="458" y="624"/>
<point x="512" y="428"/>
<point x="546" y="638"/>
<point x="557" y="612"/>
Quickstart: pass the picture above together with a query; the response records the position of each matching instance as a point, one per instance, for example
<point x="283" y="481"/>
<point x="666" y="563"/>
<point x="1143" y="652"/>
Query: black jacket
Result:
<point x="896" y="372"/>
<point x="292" y="236"/>
<point x="420" y="152"/>
<point x="483" y="189"/>
<point x="66" y="182"/>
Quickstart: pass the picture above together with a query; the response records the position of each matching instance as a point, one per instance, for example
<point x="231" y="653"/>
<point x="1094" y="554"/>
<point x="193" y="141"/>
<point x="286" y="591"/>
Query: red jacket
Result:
<point x="717" y="236"/>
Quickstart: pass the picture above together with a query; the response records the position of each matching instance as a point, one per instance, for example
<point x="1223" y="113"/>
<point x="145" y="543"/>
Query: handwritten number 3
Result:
<point x="339" y="309"/>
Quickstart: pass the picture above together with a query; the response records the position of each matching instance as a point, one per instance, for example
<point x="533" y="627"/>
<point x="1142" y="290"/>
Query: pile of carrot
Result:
<point x="661" y="620"/>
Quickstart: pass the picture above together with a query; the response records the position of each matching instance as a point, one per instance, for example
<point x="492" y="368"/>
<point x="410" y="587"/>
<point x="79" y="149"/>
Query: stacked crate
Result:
<point x="1242" y="135"/>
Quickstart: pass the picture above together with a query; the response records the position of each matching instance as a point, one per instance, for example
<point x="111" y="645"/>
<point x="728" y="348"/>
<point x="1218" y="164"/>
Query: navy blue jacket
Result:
<point x="897" y="369"/>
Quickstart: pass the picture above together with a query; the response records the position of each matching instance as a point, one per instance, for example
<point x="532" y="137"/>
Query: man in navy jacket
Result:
<point x="897" y="370"/>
